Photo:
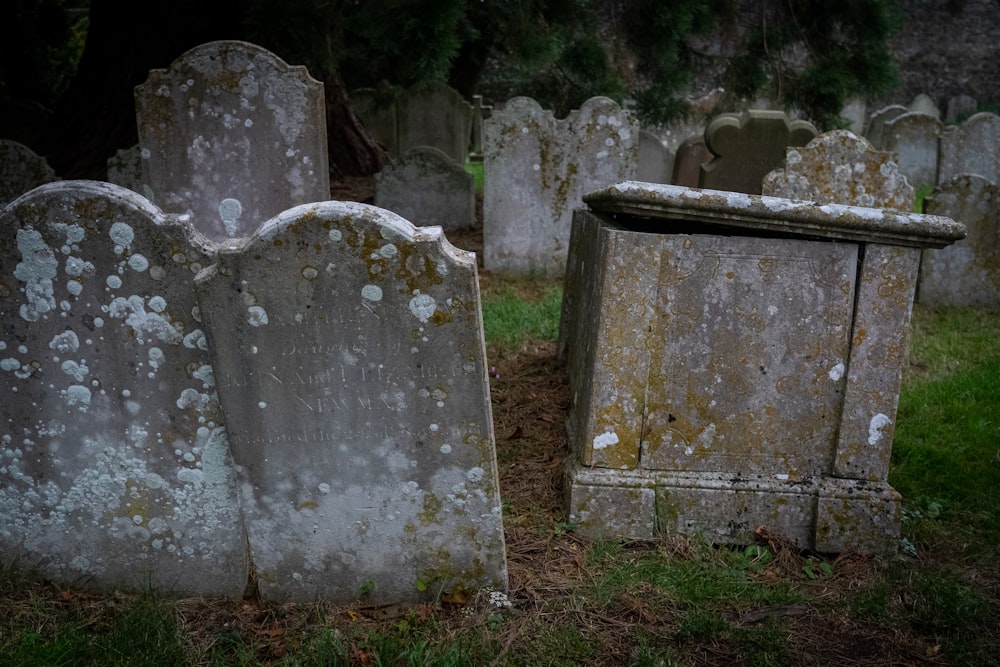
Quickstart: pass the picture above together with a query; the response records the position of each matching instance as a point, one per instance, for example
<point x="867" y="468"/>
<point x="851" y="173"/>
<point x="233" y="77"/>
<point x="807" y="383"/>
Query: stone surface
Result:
<point x="353" y="376"/>
<point x="971" y="148"/>
<point x="923" y="103"/>
<point x="655" y="163"/>
<point x="968" y="272"/>
<point x="691" y="154"/>
<point x="232" y="135"/>
<point x="840" y="167"/>
<point x="914" y="137"/>
<point x="427" y="188"/>
<point x="876" y="124"/>
<point x="536" y="171"/>
<point x="377" y="111"/>
<point x="21" y="170"/>
<point x="747" y="146"/>
<point x="115" y="469"/>
<point x="739" y="357"/>
<point x="125" y="169"/>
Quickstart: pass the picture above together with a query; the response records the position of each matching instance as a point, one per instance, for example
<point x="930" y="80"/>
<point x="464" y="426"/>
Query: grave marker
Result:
<point x="971" y="148"/>
<point x="428" y="188"/>
<point x="914" y="137"/>
<point x="21" y="170"/>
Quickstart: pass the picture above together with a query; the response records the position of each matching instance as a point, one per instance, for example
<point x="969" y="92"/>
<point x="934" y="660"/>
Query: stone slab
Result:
<point x="428" y="188"/>
<point x="971" y="148"/>
<point x="914" y="137"/>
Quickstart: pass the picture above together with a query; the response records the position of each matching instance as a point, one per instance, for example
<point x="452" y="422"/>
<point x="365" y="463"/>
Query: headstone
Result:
<point x="125" y="169"/>
<point x="876" y="125"/>
<point x="115" y="469"/>
<point x="731" y="367"/>
<point x="841" y="168"/>
<point x="959" y="106"/>
<point x="232" y="135"/>
<point x="655" y="161"/>
<point x="854" y="112"/>
<point x="747" y="146"/>
<point x="434" y="114"/>
<point x="428" y="188"/>
<point x="971" y="148"/>
<point x="21" y="170"/>
<point x="376" y="108"/>
<point x="353" y="377"/>
<point x="967" y="273"/>
<point x="914" y="137"/>
<point x="923" y="103"/>
<point x="536" y="171"/>
<point x="691" y="154"/>
<point x="480" y="112"/>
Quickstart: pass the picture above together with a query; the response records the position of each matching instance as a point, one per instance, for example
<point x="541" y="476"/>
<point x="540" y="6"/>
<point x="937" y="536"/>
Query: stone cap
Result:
<point x="774" y="215"/>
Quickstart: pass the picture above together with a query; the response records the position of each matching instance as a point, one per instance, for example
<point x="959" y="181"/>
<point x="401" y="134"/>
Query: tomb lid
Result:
<point x="774" y="215"/>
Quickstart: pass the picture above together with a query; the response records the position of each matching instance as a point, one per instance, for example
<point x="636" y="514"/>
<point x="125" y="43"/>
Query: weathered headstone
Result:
<point x="376" y="108"/>
<point x="959" y="106"/>
<point x="854" y="112"/>
<point x="114" y="463"/>
<point x="232" y="135"/>
<point x="352" y="372"/>
<point x="480" y="112"/>
<point x="428" y="188"/>
<point x="914" y="137"/>
<point x="839" y="167"/>
<point x="536" y="171"/>
<point x="876" y="125"/>
<point x="434" y="114"/>
<point x="21" y="169"/>
<point x="655" y="163"/>
<point x="747" y="146"/>
<point x="968" y="272"/>
<point x="971" y="148"/>
<point x="125" y="169"/>
<point x="691" y="154"/>
<point x="924" y="103"/>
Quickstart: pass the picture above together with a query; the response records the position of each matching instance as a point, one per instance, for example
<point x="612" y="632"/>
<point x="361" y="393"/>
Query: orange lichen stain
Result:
<point x="308" y="505"/>
<point x="730" y="275"/>
<point x="860" y="334"/>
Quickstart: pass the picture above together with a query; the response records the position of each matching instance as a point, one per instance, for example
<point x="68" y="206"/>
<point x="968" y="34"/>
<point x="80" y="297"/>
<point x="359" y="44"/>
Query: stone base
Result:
<point x="824" y="514"/>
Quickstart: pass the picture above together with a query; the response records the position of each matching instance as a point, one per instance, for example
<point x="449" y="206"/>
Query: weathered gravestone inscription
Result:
<point x="232" y="135"/>
<point x="536" y="171"/>
<point x="914" y="137"/>
<point x="971" y="148"/>
<point x="968" y="272"/>
<point x="841" y="168"/>
<point x="114" y="464"/>
<point x="351" y="367"/>
<point x="428" y="188"/>
<point x="747" y="146"/>
<point x="21" y="170"/>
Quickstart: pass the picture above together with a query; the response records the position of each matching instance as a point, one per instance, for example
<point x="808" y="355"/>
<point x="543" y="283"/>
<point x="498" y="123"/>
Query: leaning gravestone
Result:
<point x="967" y="273"/>
<point x="232" y="135"/>
<point x="352" y="370"/>
<point x="428" y="188"/>
<point x="914" y="137"/>
<point x="971" y="148"/>
<point x="537" y="169"/>
<point x="114" y="463"/>
<point x="747" y="146"/>
<point x="841" y="168"/>
<point x="21" y="170"/>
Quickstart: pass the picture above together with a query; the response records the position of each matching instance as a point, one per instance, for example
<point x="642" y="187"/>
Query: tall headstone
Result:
<point x="914" y="137"/>
<point x="537" y="169"/>
<point x="434" y="114"/>
<point x="968" y="272"/>
<point x="352" y="370"/>
<point x="655" y="161"/>
<point x="115" y="468"/>
<point x="971" y="148"/>
<point x="428" y="188"/>
<point x="691" y="154"/>
<point x="841" y="168"/>
<point x="232" y="135"/>
<point x="747" y="146"/>
<point x="21" y="169"/>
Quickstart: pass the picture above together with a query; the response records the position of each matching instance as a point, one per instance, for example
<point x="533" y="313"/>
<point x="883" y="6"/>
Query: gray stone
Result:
<point x="876" y="125"/>
<point x="841" y="168"/>
<point x="914" y="137"/>
<point x="125" y="169"/>
<point x="480" y="112"/>
<point x="427" y="188"/>
<point x="232" y="135"/>
<point x="971" y="148"/>
<point x="726" y="356"/>
<point x="655" y="162"/>
<point x="923" y="103"/>
<point x="691" y="155"/>
<point x="21" y="170"/>
<point x="967" y="273"/>
<point x="433" y="114"/>
<point x="854" y="112"/>
<point x="353" y="377"/>
<point x="536" y="171"/>
<point x="114" y="463"/>
<point x="747" y="146"/>
<point x="959" y="106"/>
<point x="376" y="109"/>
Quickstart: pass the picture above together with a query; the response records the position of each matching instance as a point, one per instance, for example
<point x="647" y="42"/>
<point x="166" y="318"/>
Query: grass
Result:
<point x="669" y="601"/>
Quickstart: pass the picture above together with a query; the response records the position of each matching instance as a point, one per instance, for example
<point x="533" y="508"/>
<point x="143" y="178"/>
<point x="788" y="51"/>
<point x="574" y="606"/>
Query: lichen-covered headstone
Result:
<point x="232" y="135"/>
<point x="839" y="167"/>
<point x="914" y="137"/>
<point x="971" y="148"/>
<point x="537" y="169"/>
<point x="114" y="464"/>
<point x="21" y="170"/>
<point x="351" y="367"/>
<point x="968" y="272"/>
<point x="747" y="146"/>
<point x="427" y="188"/>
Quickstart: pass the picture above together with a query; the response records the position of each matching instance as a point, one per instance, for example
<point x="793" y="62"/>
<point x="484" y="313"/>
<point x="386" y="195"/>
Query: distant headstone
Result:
<point x="967" y="273"/>
<point x="914" y="137"/>
<point x="427" y="188"/>
<point x="854" y="112"/>
<point x="434" y="114"/>
<point x="655" y="161"/>
<point x="125" y="169"/>
<point x="747" y="146"/>
<point x="691" y="154"/>
<point x="923" y="103"/>
<point x="232" y="135"/>
<point x="971" y="148"/>
<point x="841" y="168"/>
<point x="480" y="112"/>
<point x="115" y="468"/>
<point x="358" y="406"/>
<point x="537" y="169"/>
<point x="876" y="125"/>
<point x="21" y="170"/>
<point x="376" y="108"/>
<point x="959" y="106"/>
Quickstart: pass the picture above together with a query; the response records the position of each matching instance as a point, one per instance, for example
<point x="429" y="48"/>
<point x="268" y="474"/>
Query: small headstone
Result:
<point x="876" y="125"/>
<point x="854" y="112"/>
<point x="428" y="188"/>
<point x="923" y="103"/>
<point x="914" y="137"/>
<point x="971" y="148"/>
<point x="537" y="169"/>
<point x="655" y="161"/>
<point x="357" y="400"/>
<point x="691" y="154"/>
<point x="959" y="106"/>
<point x="232" y="135"/>
<point x="125" y="169"/>
<point x="967" y="273"/>
<point x="434" y="114"/>
<point x="748" y="146"/>
<point x="841" y="168"/>
<point x="114" y="463"/>
<point x="21" y="170"/>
